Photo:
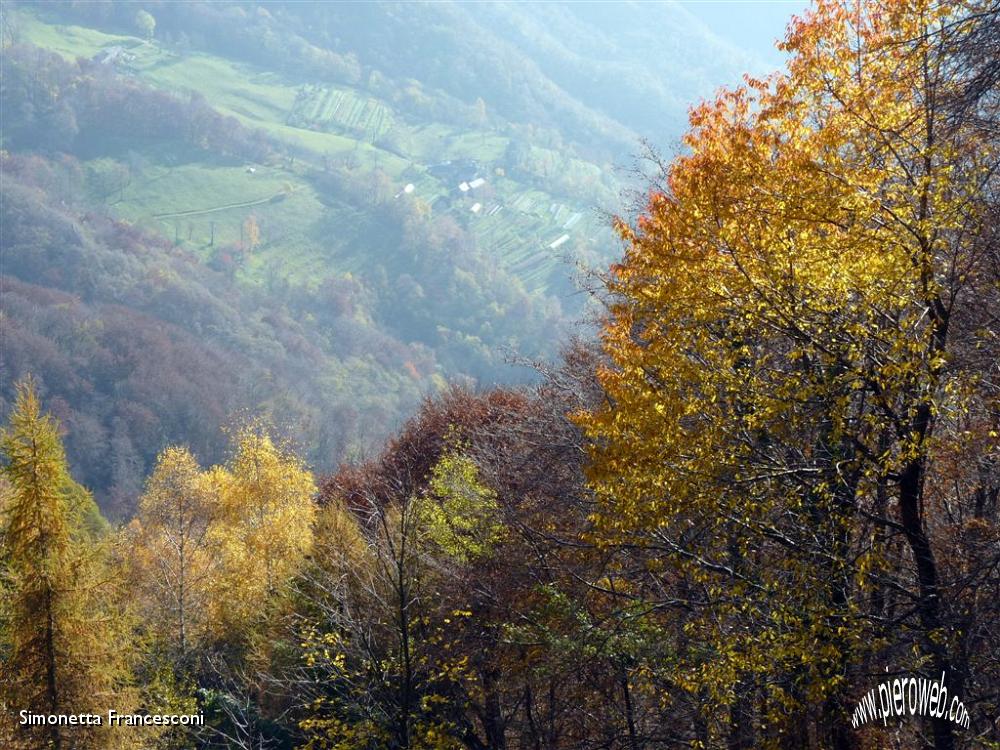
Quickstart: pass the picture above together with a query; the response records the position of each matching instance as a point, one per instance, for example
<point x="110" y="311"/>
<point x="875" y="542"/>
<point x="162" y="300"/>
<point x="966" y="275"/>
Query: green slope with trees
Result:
<point x="761" y="500"/>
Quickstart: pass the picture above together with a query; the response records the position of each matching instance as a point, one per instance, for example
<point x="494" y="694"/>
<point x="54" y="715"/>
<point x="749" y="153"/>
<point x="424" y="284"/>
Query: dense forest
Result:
<point x="223" y="320"/>
<point x="757" y="507"/>
<point x="276" y="209"/>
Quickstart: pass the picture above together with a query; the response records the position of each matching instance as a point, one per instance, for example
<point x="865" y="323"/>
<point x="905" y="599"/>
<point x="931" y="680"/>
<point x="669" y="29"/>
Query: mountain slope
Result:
<point x="321" y="212"/>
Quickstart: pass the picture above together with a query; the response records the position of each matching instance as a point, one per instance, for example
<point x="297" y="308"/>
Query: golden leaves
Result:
<point x="776" y="324"/>
<point x="213" y="546"/>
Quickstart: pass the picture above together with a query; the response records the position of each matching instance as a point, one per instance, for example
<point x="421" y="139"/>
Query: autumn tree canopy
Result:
<point x="768" y="486"/>
<point x="797" y="337"/>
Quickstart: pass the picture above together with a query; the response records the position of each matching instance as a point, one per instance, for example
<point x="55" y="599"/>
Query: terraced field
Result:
<point x="520" y="234"/>
<point x="340" y="110"/>
<point x="203" y="205"/>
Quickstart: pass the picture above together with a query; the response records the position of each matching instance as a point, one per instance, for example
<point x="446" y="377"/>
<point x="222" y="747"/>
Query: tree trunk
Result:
<point x="910" y="496"/>
<point x="51" y="684"/>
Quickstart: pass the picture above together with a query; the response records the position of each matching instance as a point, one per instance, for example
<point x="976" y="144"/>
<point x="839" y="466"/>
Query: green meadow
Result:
<point x="204" y="203"/>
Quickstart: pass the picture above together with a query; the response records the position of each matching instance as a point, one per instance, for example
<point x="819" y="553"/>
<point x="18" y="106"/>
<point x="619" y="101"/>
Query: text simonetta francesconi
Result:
<point x="112" y="718"/>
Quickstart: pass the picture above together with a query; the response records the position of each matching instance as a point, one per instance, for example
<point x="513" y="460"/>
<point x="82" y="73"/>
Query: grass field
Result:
<point x="71" y="41"/>
<point x="205" y="207"/>
<point x="192" y="200"/>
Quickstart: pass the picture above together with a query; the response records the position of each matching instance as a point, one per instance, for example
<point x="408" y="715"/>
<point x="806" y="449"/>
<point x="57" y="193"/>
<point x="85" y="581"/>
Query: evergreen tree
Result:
<point x="37" y="541"/>
<point x="62" y="655"/>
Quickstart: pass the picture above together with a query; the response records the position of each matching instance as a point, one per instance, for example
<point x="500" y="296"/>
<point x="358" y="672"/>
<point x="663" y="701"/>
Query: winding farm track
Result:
<point x="198" y="211"/>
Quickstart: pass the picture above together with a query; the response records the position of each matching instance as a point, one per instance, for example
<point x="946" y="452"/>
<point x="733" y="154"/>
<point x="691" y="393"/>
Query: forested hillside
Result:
<point x="267" y="482"/>
<point x="313" y="212"/>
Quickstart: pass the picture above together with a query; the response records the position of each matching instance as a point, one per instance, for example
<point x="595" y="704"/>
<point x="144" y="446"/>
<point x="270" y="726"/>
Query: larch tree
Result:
<point x="64" y="650"/>
<point x="37" y="541"/>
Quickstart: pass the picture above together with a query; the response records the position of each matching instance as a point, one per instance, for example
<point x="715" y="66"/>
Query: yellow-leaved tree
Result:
<point x="793" y="335"/>
<point x="459" y="515"/>
<point x="62" y="625"/>
<point x="173" y="552"/>
<point x="266" y="524"/>
<point x="212" y="554"/>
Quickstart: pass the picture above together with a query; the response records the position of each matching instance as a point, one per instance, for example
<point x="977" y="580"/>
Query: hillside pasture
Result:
<point x="303" y="238"/>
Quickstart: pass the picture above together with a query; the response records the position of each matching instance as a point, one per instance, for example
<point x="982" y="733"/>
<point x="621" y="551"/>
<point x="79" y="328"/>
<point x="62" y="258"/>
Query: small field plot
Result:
<point x="264" y="221"/>
<point x="481" y="145"/>
<point x="517" y="241"/>
<point x="340" y="110"/>
<point x="257" y="96"/>
<point x="436" y="142"/>
<point x="195" y="189"/>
